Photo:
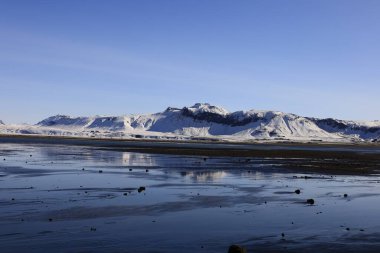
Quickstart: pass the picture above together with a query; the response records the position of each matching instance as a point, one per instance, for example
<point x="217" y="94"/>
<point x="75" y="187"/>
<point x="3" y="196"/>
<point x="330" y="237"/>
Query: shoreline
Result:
<point x="129" y="142"/>
<point x="331" y="158"/>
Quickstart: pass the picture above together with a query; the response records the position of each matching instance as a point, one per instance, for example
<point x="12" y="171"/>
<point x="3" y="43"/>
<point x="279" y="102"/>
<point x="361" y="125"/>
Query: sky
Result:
<point x="91" y="57"/>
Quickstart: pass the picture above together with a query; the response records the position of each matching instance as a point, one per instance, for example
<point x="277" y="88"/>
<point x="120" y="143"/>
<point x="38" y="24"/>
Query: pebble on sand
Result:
<point x="236" y="249"/>
<point x="298" y="191"/>
<point x="141" y="188"/>
<point x="310" y="201"/>
<point x="345" y="195"/>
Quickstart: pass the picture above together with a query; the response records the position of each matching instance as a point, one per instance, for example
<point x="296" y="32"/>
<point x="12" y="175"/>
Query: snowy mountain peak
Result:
<point x="63" y="120"/>
<point x="207" y="108"/>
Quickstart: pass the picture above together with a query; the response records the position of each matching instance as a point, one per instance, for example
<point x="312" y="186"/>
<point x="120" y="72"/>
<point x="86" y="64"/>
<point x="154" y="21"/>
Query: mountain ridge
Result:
<point x="203" y="120"/>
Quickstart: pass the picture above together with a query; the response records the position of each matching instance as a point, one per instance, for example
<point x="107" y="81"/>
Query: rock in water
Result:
<point x="310" y="201"/>
<point x="236" y="249"/>
<point x="297" y="191"/>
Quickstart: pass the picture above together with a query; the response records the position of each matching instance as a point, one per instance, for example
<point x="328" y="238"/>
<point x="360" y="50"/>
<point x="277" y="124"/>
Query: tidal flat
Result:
<point x="64" y="198"/>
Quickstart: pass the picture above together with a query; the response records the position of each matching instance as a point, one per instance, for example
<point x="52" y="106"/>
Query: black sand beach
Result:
<point x="157" y="197"/>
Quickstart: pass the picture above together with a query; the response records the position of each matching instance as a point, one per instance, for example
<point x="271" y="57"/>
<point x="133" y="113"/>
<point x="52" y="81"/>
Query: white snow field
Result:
<point x="203" y="121"/>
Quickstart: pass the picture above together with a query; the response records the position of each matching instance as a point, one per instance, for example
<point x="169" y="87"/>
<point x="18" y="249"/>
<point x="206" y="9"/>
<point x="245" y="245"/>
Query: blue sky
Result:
<point x="313" y="58"/>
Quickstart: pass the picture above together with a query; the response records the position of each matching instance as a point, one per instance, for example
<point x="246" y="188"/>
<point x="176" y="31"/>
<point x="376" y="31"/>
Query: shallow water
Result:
<point x="83" y="199"/>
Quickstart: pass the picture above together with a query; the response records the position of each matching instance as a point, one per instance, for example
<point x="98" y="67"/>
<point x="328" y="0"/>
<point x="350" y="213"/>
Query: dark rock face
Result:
<point x="229" y="119"/>
<point x="329" y="124"/>
<point x="204" y="116"/>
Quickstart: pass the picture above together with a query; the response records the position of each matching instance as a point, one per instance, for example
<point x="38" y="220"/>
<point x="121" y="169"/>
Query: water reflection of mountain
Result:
<point x="94" y="155"/>
<point x="197" y="169"/>
<point x="138" y="159"/>
<point x="204" y="176"/>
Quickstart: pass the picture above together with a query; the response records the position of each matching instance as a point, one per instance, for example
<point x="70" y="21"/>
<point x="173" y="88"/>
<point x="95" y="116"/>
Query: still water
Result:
<point x="82" y="199"/>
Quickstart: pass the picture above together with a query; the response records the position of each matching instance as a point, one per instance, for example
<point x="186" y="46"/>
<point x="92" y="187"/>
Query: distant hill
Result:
<point x="203" y="120"/>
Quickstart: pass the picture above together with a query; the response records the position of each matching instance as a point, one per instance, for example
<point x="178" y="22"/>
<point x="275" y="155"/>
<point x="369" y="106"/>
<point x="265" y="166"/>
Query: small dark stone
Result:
<point x="147" y="170"/>
<point x="204" y="159"/>
<point x="298" y="191"/>
<point x="310" y="201"/>
<point x="13" y="199"/>
<point x="4" y="159"/>
<point x="282" y="235"/>
<point x="30" y="155"/>
<point x="361" y="230"/>
<point x="50" y="219"/>
<point x="130" y="169"/>
<point x="141" y="188"/>
<point x="236" y="249"/>
<point x="348" y="229"/>
<point x="100" y="171"/>
<point x="92" y="229"/>
<point x="82" y="168"/>
<point x="345" y="195"/>
<point x="125" y="194"/>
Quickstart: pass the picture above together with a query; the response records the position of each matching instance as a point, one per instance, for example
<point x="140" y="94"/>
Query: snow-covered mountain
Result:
<point x="203" y="120"/>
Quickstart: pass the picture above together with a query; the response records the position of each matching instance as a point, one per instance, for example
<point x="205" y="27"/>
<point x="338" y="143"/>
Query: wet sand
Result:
<point x="333" y="158"/>
<point x="66" y="198"/>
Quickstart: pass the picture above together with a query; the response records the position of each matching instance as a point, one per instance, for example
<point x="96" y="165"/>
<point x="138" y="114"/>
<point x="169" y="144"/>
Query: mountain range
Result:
<point x="205" y="121"/>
